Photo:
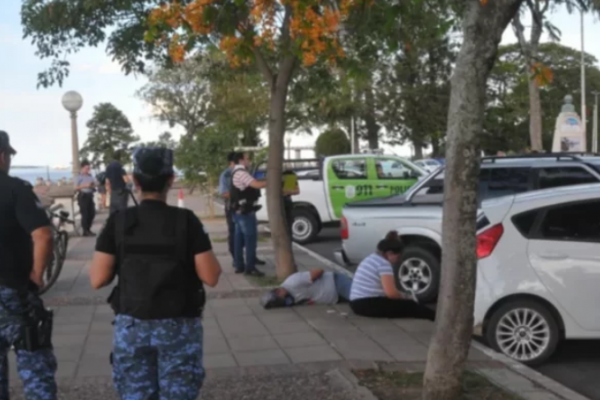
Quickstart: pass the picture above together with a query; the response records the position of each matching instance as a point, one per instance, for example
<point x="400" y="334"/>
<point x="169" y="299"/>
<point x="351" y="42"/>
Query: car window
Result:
<point x="392" y="168"/>
<point x="507" y="181"/>
<point x="564" y="176"/>
<point x="351" y="168"/>
<point x="524" y="221"/>
<point x="436" y="185"/>
<point x="572" y="222"/>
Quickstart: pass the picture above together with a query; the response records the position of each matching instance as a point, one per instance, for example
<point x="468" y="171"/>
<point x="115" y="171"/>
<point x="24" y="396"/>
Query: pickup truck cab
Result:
<point x="327" y="185"/>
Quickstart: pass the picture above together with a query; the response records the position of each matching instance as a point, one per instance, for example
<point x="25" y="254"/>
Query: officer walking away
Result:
<point x="101" y="179"/>
<point x="245" y="191"/>
<point x="161" y="256"/>
<point x="116" y="183"/>
<point x="25" y="247"/>
<point x="85" y="187"/>
<point x="224" y="189"/>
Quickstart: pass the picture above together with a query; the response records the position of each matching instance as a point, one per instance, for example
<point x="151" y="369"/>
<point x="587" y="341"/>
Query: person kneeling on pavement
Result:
<point x="374" y="292"/>
<point x="310" y="287"/>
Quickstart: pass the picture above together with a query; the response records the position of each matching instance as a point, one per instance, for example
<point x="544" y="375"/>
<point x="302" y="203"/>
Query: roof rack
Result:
<point x="557" y="156"/>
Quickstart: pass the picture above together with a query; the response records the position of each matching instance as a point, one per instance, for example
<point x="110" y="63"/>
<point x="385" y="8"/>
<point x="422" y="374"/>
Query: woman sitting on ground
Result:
<point x="374" y="292"/>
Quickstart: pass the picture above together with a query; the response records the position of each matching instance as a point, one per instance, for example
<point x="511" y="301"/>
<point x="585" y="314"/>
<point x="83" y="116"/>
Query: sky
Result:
<point x="40" y="127"/>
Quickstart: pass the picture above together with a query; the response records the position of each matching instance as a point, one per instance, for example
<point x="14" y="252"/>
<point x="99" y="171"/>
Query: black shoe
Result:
<point x="237" y="271"/>
<point x="255" y="272"/>
<point x="90" y="233"/>
<point x="260" y="262"/>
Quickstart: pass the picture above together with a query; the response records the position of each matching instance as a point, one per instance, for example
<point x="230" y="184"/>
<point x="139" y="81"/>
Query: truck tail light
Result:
<point x="487" y="241"/>
<point x="344" y="226"/>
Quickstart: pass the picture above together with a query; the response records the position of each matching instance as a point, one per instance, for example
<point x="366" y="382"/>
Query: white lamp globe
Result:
<point x="72" y="101"/>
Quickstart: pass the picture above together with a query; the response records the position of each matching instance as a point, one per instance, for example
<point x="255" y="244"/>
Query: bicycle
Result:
<point x="61" y="244"/>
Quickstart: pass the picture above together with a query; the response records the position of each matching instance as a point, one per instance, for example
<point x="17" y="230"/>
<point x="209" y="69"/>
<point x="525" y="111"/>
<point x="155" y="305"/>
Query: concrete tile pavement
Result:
<point x="241" y="336"/>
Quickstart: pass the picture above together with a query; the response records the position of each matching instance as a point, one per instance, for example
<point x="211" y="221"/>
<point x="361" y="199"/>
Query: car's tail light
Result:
<point x="487" y="240"/>
<point x="344" y="225"/>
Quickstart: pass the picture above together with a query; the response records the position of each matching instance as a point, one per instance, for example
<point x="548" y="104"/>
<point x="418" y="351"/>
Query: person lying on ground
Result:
<point x="310" y="287"/>
<point x="374" y="292"/>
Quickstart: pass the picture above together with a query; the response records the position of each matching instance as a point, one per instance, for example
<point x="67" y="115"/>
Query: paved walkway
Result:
<point x="304" y="352"/>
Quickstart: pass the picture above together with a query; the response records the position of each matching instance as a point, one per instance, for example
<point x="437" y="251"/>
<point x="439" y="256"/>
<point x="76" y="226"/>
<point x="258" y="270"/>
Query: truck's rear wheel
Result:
<point x="305" y="227"/>
<point x="419" y="271"/>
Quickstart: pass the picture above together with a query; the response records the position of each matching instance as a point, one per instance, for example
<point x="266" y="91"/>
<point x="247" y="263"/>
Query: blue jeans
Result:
<point x="343" y="284"/>
<point x="245" y="234"/>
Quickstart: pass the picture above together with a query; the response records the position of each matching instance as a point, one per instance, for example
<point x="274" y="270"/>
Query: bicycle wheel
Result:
<point x="53" y="269"/>
<point x="63" y="245"/>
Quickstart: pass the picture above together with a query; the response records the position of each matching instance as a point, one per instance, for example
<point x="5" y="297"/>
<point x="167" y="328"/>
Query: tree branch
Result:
<point x="263" y="66"/>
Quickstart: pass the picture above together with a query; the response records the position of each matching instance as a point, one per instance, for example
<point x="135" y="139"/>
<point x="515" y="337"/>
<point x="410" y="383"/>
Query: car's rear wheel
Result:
<point x="419" y="272"/>
<point x="305" y="227"/>
<point x="524" y="330"/>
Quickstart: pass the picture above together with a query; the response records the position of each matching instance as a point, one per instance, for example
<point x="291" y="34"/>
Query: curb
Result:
<point x="547" y="385"/>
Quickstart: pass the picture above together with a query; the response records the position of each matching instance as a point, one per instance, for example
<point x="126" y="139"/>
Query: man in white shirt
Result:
<point x="245" y="191"/>
<point x="310" y="287"/>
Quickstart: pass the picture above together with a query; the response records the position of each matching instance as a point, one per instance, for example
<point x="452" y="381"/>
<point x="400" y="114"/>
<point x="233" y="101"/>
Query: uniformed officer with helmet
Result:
<point x="161" y="256"/>
<point x="25" y="247"/>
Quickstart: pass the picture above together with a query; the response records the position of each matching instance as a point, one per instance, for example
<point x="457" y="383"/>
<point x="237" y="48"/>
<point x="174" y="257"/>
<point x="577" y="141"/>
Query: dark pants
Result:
<point x="382" y="307"/>
<point x="118" y="200"/>
<point x="87" y="209"/>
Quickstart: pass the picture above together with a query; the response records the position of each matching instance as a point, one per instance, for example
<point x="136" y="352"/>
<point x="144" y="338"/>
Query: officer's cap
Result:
<point x="5" y="143"/>
<point x="153" y="161"/>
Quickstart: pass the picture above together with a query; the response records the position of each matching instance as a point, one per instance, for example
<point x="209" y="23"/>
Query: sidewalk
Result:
<point x="306" y="352"/>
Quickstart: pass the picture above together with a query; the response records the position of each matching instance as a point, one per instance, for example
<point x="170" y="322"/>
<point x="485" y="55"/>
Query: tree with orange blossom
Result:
<point x="276" y="35"/>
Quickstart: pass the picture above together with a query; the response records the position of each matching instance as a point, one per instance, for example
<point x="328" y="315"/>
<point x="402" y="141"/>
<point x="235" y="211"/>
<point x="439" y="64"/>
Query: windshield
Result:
<point x="437" y="175"/>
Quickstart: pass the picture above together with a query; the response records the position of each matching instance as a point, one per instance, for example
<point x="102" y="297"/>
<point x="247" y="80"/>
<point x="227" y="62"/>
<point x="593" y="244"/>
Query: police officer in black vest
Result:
<point x="161" y="256"/>
<point x="25" y="247"/>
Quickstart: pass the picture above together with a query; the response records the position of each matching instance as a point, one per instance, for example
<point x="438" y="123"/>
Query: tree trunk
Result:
<point x="211" y="198"/>
<point x="370" y="121"/>
<point x="482" y="31"/>
<point x="535" y="104"/>
<point x="535" y="116"/>
<point x="418" y="150"/>
<point x="282" y="242"/>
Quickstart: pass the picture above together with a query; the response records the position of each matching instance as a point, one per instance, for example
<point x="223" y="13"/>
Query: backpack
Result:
<point x="157" y="279"/>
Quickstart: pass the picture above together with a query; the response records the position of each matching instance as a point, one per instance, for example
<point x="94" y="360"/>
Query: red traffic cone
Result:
<point x="180" y="201"/>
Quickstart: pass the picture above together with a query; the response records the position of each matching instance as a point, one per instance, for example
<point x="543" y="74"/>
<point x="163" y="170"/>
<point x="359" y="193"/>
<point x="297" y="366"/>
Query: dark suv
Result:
<point x="501" y="176"/>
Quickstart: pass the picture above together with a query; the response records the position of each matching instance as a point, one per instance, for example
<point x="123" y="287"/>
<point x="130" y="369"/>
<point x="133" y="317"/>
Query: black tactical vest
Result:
<point x="157" y="278"/>
<point x="245" y="200"/>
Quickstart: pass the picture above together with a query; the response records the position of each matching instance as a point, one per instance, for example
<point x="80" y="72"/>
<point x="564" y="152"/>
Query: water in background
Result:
<point x="32" y="174"/>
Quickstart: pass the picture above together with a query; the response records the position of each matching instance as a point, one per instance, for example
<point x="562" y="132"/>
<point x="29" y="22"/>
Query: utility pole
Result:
<point x="583" y="106"/>
<point x="595" y="123"/>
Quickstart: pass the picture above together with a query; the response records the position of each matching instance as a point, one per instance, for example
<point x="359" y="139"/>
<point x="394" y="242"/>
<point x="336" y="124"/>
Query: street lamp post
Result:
<point x="72" y="102"/>
<point x="583" y="106"/>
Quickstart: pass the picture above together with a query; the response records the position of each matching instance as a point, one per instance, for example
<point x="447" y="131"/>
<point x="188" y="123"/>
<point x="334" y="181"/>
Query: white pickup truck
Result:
<point x="327" y="185"/>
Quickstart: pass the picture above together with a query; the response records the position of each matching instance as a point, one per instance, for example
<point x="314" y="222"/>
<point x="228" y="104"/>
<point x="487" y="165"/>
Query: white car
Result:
<point x="428" y="165"/>
<point x="538" y="276"/>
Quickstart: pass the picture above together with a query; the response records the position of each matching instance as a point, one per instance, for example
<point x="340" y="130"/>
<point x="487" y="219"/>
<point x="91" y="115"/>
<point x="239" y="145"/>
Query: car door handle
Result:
<point x="554" y="256"/>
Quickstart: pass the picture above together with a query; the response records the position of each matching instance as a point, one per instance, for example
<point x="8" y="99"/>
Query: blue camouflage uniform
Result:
<point x="20" y="214"/>
<point x="156" y="358"/>
<point x="36" y="369"/>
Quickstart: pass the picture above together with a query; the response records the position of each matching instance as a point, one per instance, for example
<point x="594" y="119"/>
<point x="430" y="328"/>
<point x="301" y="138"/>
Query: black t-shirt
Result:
<point x="198" y="240"/>
<point x="115" y="173"/>
<point x="21" y="213"/>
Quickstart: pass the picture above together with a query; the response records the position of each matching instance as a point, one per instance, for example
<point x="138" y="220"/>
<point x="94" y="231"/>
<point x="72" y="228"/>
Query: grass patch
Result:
<point x="264" y="281"/>
<point x="407" y="386"/>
